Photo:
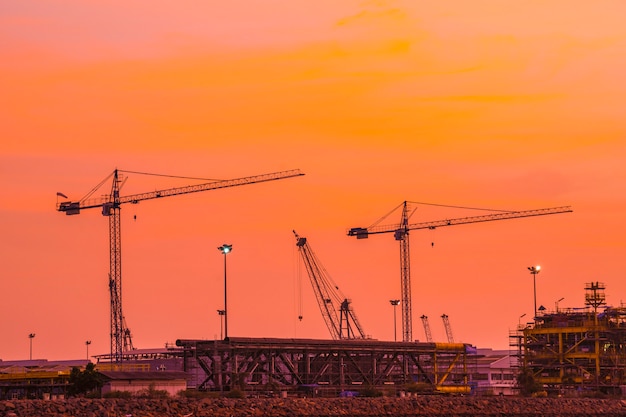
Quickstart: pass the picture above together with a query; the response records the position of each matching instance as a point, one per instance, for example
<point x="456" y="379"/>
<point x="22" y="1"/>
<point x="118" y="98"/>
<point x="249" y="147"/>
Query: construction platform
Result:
<point x="324" y="366"/>
<point x="576" y="349"/>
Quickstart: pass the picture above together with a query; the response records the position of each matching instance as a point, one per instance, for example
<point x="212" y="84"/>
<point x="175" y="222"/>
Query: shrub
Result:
<point x="195" y="394"/>
<point x="152" y="392"/>
<point x="126" y="395"/>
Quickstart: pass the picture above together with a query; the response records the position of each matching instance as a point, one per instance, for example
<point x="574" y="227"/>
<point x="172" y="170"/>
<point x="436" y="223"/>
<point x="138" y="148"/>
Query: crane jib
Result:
<point x="106" y="202"/>
<point x="401" y="233"/>
<point x="110" y="206"/>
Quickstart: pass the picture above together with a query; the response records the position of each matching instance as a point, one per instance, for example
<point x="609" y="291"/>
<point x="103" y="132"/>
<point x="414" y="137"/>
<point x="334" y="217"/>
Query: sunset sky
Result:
<point x="504" y="105"/>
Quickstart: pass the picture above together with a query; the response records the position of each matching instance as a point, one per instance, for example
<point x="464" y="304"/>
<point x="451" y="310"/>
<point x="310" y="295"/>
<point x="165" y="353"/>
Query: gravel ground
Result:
<point x="425" y="406"/>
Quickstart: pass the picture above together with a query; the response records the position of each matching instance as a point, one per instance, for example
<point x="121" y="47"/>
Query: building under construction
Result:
<point x="576" y="349"/>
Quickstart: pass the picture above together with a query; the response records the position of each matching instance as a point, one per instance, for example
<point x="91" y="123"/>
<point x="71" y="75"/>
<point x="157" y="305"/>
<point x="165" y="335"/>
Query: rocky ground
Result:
<point x="425" y="406"/>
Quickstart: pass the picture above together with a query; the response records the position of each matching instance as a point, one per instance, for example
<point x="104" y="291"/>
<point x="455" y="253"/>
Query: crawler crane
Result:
<point x="447" y="327"/>
<point x="329" y="299"/>
<point x="427" y="333"/>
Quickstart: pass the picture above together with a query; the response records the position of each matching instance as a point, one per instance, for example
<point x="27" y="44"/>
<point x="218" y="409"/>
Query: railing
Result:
<point x="123" y="367"/>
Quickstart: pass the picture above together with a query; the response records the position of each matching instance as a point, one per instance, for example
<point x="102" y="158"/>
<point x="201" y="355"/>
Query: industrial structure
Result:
<point x="350" y="363"/>
<point x="326" y="366"/>
<point x="36" y="378"/>
<point x="110" y="205"/>
<point x="330" y="299"/>
<point x="575" y="349"/>
<point x="401" y="234"/>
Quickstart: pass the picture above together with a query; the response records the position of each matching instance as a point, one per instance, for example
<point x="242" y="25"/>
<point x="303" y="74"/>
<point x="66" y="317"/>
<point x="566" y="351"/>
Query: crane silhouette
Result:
<point x="111" y="205"/>
<point x="401" y="234"/>
<point x="329" y="298"/>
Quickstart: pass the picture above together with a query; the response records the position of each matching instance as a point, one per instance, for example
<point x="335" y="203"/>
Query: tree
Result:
<point x="83" y="382"/>
<point x="526" y="382"/>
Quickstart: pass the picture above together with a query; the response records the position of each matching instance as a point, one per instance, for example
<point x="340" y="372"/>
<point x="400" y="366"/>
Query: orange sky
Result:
<point x="502" y="105"/>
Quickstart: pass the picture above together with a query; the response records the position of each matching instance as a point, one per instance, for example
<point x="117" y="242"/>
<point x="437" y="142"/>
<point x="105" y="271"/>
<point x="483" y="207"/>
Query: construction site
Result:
<point x="564" y="349"/>
<point x="574" y="350"/>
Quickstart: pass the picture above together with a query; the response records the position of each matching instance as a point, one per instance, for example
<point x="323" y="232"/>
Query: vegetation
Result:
<point x="527" y="384"/>
<point x="197" y="394"/>
<point x="125" y="395"/>
<point x="84" y="382"/>
<point x="152" y="392"/>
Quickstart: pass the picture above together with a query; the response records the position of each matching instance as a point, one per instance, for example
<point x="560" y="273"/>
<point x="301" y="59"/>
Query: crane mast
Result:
<point x="401" y="234"/>
<point x="329" y="298"/>
<point x="111" y="208"/>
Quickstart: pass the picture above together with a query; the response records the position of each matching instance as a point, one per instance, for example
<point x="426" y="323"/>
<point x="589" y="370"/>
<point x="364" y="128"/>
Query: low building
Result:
<point x="37" y="378"/>
<point x="494" y="372"/>
<point x="144" y="382"/>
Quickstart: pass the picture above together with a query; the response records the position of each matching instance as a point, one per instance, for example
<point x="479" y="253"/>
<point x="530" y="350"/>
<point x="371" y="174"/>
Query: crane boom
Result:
<point x="111" y="205"/>
<point x="329" y="298"/>
<point x="401" y="234"/>
<point x="71" y="208"/>
<point x="447" y="328"/>
<point x="361" y="232"/>
<point x="427" y="333"/>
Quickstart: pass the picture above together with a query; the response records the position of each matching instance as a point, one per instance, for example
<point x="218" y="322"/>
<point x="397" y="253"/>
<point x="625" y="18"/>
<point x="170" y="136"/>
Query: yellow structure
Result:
<point x="39" y="378"/>
<point x="576" y="349"/>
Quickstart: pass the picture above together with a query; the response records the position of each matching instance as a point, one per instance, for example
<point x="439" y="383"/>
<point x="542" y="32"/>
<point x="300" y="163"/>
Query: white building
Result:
<point x="494" y="373"/>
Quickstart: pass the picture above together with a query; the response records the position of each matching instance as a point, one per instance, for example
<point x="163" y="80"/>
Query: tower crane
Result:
<point x="111" y="205"/>
<point x="401" y="234"/>
<point x="329" y="298"/>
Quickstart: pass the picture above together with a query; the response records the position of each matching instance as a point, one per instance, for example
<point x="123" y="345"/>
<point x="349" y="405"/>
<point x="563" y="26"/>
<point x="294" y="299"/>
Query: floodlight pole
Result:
<point x="31" y="337"/>
<point x="394" y="303"/>
<point x="534" y="270"/>
<point x="225" y="249"/>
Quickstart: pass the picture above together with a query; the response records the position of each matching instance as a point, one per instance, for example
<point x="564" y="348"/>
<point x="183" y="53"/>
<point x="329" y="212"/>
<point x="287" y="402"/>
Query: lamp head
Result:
<point x="394" y="302"/>
<point x="225" y="248"/>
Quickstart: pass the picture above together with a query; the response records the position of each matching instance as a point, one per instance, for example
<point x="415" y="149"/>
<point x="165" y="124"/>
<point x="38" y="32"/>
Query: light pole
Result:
<point x="87" y="343"/>
<point x="221" y="313"/>
<point x="394" y="303"/>
<point x="534" y="270"/>
<point x="519" y="321"/>
<point x="225" y="249"/>
<point x="31" y="337"/>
